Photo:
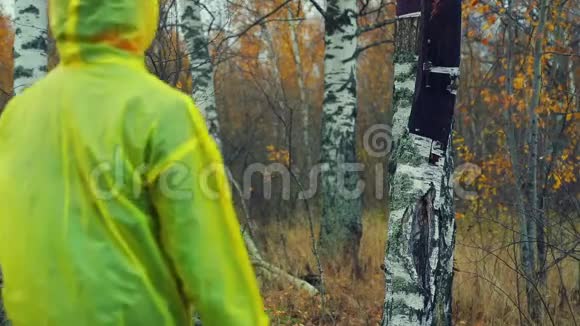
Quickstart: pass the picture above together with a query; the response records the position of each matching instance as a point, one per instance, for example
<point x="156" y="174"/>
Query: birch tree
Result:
<point x="341" y="227"/>
<point x="525" y="169"/>
<point x="30" y="42"/>
<point x="536" y="221"/>
<point x="527" y="251"/>
<point x="300" y="78"/>
<point x="279" y="93"/>
<point x="419" y="255"/>
<point x="201" y="68"/>
<point x="197" y="42"/>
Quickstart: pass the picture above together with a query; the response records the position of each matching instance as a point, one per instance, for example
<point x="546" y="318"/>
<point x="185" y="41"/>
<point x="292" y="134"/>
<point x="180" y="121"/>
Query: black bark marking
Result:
<point x="30" y="10"/>
<point x="38" y="43"/>
<point x="21" y="72"/>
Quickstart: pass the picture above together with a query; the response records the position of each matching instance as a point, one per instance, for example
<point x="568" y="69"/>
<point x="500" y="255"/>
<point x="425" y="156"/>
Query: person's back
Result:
<point x="114" y="208"/>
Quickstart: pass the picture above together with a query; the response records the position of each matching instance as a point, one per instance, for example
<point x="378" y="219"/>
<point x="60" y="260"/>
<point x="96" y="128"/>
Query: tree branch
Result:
<point x="378" y="10"/>
<point x="318" y="8"/>
<point x="562" y="54"/>
<point x="368" y="46"/>
<point x="259" y="21"/>
<point x="376" y="25"/>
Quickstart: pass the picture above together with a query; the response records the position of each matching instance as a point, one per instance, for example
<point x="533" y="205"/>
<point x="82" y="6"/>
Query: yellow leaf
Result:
<point x="491" y="19"/>
<point x="519" y="82"/>
<point x="557" y="182"/>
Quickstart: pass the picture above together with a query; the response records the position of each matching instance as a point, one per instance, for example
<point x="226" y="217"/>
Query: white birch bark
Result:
<point x="419" y="256"/>
<point x="414" y="186"/>
<point x="341" y="227"/>
<point x="201" y="68"/>
<point x="30" y="42"/>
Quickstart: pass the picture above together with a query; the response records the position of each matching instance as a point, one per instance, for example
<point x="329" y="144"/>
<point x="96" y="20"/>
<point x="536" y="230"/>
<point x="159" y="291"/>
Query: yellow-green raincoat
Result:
<point x="114" y="209"/>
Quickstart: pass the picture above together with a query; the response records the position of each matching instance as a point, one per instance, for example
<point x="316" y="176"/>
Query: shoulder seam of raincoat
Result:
<point x="174" y="157"/>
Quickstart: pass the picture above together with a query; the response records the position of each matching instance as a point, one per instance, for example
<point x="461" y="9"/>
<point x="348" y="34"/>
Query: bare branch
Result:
<point x="318" y="8"/>
<point x="368" y="46"/>
<point x="377" y="25"/>
<point x="259" y="21"/>
<point x="562" y="54"/>
<point x="377" y="10"/>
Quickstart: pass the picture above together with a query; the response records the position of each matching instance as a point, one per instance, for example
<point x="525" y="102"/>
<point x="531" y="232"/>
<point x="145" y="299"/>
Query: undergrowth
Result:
<point x="485" y="286"/>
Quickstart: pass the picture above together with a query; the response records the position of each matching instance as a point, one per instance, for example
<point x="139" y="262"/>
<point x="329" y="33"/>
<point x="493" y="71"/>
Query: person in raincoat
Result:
<point x="114" y="205"/>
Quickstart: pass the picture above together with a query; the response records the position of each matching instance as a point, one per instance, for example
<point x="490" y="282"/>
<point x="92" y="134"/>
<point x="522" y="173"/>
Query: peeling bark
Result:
<point x="419" y="259"/>
<point x="419" y="254"/>
<point x="404" y="302"/>
<point x="30" y="42"/>
<point x="341" y="227"/>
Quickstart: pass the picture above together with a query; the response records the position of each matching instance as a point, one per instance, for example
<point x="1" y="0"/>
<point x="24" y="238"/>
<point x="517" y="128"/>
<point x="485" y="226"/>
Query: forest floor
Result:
<point x="485" y="286"/>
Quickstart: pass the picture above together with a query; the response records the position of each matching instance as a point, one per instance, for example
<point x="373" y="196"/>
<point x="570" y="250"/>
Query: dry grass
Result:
<point x="484" y="291"/>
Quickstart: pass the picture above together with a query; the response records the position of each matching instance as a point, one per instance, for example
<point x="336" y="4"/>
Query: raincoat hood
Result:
<point x="88" y="30"/>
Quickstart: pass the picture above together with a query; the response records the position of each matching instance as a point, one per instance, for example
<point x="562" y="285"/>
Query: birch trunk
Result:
<point x="537" y="224"/>
<point x="531" y="220"/>
<point x="341" y="227"/>
<point x="302" y="90"/>
<point x="30" y="42"/>
<point x="421" y="232"/>
<point x="197" y="43"/>
<point x="278" y="87"/>
<point x="526" y="248"/>
<point x="201" y="68"/>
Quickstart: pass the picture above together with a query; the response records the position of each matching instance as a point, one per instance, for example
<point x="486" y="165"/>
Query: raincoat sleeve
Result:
<point x="199" y="230"/>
